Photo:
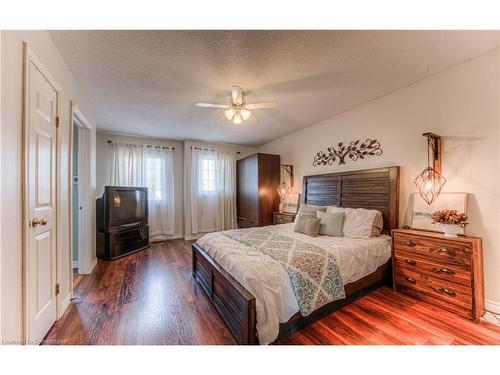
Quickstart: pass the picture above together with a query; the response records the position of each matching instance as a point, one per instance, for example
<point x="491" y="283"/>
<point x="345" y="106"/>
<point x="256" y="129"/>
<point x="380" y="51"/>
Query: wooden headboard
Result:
<point x="375" y="189"/>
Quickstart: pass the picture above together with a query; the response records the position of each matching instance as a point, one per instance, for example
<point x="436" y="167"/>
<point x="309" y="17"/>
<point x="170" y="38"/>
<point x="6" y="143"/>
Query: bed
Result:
<point x="222" y="266"/>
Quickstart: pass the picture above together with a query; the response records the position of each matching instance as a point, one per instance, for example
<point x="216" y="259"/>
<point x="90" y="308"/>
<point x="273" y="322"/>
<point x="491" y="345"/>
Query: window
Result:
<point x="153" y="167"/>
<point x="207" y="176"/>
<point x="153" y="170"/>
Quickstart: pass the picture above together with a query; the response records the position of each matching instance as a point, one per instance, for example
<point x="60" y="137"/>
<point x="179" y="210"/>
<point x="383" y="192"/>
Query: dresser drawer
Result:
<point x="446" y="251"/>
<point x="466" y="313"/>
<point x="455" y="294"/>
<point x="457" y="273"/>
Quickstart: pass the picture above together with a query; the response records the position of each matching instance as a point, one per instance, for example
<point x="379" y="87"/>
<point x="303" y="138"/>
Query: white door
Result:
<point x="40" y="185"/>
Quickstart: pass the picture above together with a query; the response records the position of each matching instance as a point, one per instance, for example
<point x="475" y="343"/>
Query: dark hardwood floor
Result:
<point x="151" y="298"/>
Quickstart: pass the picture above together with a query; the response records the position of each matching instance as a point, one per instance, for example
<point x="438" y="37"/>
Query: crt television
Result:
<point x="122" y="207"/>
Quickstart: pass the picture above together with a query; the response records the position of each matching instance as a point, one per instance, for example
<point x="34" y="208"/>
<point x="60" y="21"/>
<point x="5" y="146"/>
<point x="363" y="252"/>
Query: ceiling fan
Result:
<point x="238" y="109"/>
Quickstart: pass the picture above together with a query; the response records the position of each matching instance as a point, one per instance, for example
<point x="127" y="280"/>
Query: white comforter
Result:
<point x="268" y="281"/>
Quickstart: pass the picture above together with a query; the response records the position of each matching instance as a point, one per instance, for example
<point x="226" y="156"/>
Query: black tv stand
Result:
<point x="121" y="242"/>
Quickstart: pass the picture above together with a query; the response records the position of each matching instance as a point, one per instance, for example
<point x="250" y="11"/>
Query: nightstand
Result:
<point x="444" y="271"/>
<point x="283" y="217"/>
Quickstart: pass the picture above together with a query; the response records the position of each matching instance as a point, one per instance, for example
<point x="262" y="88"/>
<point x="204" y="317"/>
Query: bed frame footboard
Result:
<point x="235" y="304"/>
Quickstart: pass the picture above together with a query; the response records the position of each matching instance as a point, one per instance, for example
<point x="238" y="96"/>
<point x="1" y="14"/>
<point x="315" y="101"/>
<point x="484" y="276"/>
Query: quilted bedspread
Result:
<point x="313" y="272"/>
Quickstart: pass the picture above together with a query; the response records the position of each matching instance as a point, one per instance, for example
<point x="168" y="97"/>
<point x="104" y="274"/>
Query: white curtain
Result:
<point x="152" y="167"/>
<point x="126" y="164"/>
<point x="213" y="190"/>
<point x="159" y="179"/>
<point x="226" y="190"/>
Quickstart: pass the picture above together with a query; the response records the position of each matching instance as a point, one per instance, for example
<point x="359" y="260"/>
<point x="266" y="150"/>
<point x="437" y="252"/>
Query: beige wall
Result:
<point x="462" y="105"/>
<point x="11" y="140"/>
<point x="103" y="168"/>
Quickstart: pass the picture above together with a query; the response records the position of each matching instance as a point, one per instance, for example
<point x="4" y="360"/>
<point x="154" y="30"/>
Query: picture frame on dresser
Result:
<point x="422" y="212"/>
<point x="291" y="204"/>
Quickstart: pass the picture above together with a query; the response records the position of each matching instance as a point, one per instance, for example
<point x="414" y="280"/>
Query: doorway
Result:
<point x="75" y="203"/>
<point x="81" y="194"/>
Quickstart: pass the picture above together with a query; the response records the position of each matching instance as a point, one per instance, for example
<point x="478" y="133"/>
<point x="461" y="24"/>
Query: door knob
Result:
<point x="36" y="222"/>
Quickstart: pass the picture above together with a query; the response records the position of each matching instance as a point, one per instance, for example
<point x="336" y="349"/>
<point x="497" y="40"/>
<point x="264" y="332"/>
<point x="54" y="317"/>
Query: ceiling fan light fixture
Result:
<point x="230" y="113"/>
<point x="237" y="110"/>
<point x="245" y="114"/>
<point x="237" y="118"/>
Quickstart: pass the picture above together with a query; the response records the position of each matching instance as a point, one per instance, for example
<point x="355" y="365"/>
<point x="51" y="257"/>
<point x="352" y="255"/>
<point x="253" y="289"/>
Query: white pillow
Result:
<point x="335" y="209"/>
<point x="358" y="222"/>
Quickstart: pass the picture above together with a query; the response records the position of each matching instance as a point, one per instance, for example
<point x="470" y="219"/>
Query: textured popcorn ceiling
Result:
<point x="146" y="82"/>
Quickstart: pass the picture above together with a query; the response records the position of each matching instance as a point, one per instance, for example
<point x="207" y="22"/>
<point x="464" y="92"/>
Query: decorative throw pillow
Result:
<point x="358" y="222"/>
<point x="378" y="224"/>
<point x="307" y="225"/>
<point x="309" y="210"/>
<point x="331" y="223"/>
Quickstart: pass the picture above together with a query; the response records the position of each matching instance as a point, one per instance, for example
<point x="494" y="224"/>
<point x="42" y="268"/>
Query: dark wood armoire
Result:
<point x="258" y="177"/>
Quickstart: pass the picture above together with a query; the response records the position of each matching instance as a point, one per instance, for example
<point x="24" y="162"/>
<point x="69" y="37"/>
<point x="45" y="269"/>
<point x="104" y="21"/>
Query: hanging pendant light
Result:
<point x="283" y="190"/>
<point x="430" y="181"/>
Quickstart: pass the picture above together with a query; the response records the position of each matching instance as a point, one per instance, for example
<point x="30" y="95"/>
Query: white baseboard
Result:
<point x="172" y="237"/>
<point x="90" y="269"/>
<point x="76" y="264"/>
<point x="190" y="237"/>
<point x="92" y="266"/>
<point x="492" y="306"/>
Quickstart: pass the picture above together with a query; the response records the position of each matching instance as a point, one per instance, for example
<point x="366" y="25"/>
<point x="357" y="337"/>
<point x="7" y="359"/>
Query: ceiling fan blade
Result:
<point x="212" y="105"/>
<point x="261" y="105"/>
<point x="237" y="95"/>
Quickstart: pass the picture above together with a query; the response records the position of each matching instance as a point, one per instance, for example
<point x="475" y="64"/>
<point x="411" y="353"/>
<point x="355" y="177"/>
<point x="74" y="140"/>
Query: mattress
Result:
<point x="269" y="282"/>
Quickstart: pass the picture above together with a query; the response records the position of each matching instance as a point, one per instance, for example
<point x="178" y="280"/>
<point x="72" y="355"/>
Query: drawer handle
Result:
<point x="410" y="261"/>
<point x="411" y="279"/>
<point x="447" y="251"/>
<point x="409" y="243"/>
<point x="445" y="270"/>
<point x="447" y="291"/>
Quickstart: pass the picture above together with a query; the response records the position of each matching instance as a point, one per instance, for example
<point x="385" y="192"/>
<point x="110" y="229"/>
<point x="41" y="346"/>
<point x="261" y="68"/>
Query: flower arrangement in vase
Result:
<point x="451" y="221"/>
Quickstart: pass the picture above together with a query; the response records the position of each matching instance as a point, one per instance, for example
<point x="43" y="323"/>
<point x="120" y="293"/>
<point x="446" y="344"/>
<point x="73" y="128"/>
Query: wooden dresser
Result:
<point x="283" y="218"/>
<point x="258" y="178"/>
<point x="444" y="271"/>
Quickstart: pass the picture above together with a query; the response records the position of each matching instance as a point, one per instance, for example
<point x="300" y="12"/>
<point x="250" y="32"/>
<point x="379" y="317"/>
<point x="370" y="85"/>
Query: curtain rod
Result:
<point x="155" y="146"/>
<point x="209" y="149"/>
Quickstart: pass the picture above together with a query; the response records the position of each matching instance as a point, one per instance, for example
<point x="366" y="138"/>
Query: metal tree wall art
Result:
<point x="355" y="151"/>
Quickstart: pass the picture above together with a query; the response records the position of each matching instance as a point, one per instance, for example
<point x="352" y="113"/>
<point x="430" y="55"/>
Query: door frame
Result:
<point x="30" y="57"/>
<point x="85" y="243"/>
<point x="1" y="249"/>
<point x="72" y="192"/>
